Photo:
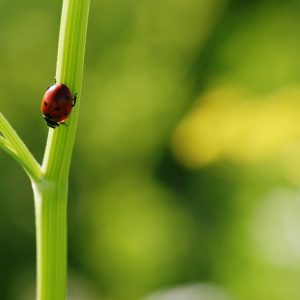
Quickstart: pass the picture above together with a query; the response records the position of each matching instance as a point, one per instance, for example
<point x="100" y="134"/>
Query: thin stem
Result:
<point x="15" y="147"/>
<point x="6" y="146"/>
<point x="51" y="211"/>
<point x="69" y="71"/>
<point x="51" y="194"/>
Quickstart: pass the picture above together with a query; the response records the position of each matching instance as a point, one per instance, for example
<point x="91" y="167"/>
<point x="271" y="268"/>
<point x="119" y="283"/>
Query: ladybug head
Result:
<point x="50" y="122"/>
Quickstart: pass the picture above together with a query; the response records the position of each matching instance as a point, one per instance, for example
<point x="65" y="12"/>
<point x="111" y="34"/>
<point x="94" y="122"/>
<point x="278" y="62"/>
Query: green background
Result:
<point x="185" y="174"/>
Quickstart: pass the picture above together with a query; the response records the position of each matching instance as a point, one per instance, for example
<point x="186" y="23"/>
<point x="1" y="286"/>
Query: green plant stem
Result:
<point x="51" y="193"/>
<point x="15" y="147"/>
<point x="7" y="147"/>
<point x="50" y="207"/>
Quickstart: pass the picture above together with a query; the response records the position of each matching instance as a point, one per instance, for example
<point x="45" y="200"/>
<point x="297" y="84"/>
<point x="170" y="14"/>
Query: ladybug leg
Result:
<point x="74" y="100"/>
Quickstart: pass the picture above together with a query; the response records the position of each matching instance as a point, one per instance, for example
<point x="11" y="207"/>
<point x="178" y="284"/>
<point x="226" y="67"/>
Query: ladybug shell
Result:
<point x="57" y="103"/>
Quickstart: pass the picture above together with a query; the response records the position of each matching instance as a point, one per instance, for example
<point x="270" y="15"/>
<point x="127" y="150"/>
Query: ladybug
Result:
<point x="57" y="104"/>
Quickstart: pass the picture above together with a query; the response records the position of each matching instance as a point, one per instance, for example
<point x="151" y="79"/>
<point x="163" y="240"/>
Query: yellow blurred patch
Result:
<point x="226" y="123"/>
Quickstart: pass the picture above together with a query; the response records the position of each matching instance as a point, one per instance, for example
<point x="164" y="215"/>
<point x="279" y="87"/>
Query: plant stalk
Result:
<point x="51" y="192"/>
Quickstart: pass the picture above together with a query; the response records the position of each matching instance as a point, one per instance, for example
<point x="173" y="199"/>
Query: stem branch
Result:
<point x="15" y="147"/>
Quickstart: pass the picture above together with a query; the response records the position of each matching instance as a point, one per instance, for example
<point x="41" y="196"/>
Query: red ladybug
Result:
<point x="57" y="104"/>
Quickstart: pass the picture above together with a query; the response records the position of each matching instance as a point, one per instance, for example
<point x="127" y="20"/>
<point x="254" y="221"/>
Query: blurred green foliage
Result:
<point x="185" y="174"/>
